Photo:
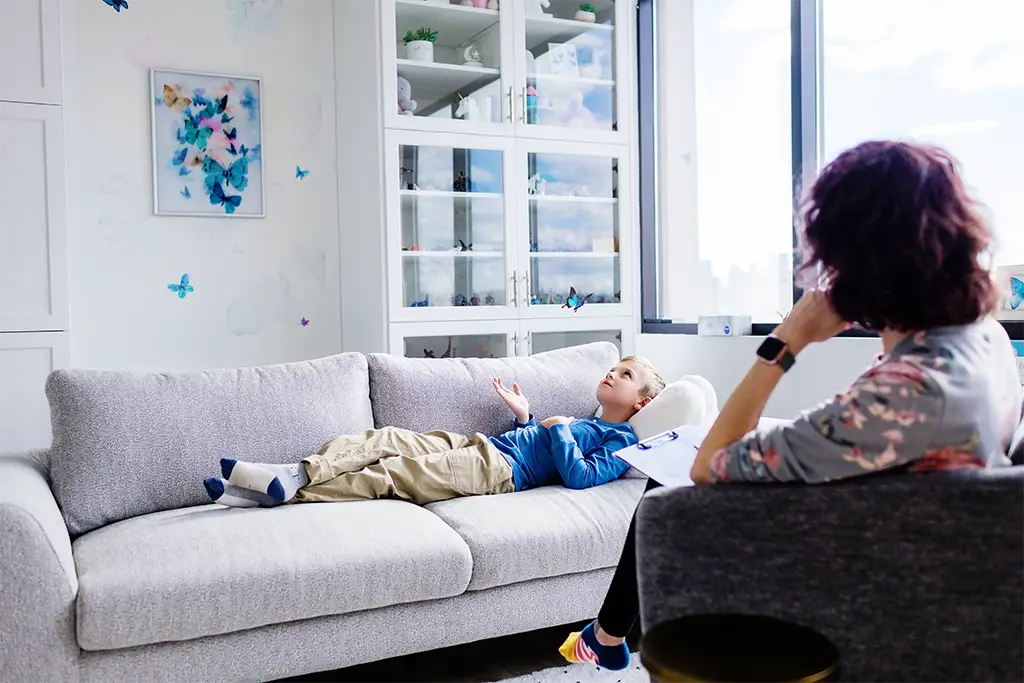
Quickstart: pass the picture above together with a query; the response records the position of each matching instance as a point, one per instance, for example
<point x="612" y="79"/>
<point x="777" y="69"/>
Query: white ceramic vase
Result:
<point x="419" y="51"/>
<point x="588" y="17"/>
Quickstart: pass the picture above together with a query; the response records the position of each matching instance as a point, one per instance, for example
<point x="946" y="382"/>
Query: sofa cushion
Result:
<point x="125" y="444"/>
<point x="455" y="394"/>
<point x="200" y="571"/>
<point x="543" y="532"/>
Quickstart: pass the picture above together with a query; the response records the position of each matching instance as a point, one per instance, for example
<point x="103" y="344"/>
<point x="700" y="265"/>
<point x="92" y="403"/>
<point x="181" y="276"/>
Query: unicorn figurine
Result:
<point x="468" y="109"/>
<point x="537" y="7"/>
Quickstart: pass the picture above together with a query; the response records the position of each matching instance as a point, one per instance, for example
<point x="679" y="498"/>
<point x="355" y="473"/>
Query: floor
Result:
<point x="488" y="660"/>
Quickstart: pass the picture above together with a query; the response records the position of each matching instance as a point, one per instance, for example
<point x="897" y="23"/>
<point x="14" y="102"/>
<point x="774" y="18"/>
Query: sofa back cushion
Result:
<point x="455" y="394"/>
<point x="126" y="444"/>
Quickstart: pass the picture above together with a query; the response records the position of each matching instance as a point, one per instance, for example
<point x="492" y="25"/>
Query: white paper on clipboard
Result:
<point x="667" y="457"/>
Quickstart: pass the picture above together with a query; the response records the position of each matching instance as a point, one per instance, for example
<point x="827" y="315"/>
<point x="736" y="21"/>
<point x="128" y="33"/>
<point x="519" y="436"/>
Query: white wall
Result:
<point x="271" y="271"/>
<point x="820" y="372"/>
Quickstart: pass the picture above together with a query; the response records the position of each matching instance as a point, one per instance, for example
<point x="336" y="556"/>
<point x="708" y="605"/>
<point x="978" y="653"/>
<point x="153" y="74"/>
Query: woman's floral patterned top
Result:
<point x="943" y="399"/>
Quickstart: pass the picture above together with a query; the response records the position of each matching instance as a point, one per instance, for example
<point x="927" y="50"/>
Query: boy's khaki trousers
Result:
<point x="398" y="463"/>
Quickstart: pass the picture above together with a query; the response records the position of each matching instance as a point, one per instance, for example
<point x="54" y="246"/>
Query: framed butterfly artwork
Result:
<point x="207" y="144"/>
<point x="1011" y="283"/>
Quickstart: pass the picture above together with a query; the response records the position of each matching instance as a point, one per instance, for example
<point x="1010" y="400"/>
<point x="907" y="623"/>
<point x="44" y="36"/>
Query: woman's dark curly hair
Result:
<point x="894" y="233"/>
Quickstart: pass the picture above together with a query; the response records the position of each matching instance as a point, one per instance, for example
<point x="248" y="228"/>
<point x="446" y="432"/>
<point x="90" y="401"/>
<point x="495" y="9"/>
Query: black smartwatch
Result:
<point x="775" y="352"/>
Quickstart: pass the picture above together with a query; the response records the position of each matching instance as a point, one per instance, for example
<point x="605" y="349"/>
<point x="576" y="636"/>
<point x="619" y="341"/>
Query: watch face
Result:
<point x="771" y="348"/>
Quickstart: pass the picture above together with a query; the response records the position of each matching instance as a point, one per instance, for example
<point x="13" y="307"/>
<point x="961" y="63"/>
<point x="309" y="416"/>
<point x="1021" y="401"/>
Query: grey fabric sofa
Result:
<point x="914" y="577"/>
<point x="112" y="568"/>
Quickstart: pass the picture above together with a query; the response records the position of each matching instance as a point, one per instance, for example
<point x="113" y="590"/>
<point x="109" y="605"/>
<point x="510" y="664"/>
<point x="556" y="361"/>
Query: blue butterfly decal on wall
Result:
<point x="183" y="287"/>
<point x="231" y="134"/>
<point x="194" y="135"/>
<point x="224" y="118"/>
<point x="300" y="174"/>
<point x="230" y="201"/>
<point x="117" y="4"/>
<point x="1016" y="292"/>
<point x="186" y="193"/>
<point x="575" y="301"/>
<point x="235" y="175"/>
<point x="179" y="158"/>
<point x="422" y="303"/>
<point x="215" y="108"/>
<point x="183" y="171"/>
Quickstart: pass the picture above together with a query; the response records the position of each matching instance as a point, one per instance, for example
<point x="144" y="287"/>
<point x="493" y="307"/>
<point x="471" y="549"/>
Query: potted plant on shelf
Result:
<point x="586" y="13"/>
<point x="419" y="45"/>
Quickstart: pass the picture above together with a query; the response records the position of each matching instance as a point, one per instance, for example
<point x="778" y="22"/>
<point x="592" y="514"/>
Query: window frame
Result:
<point x="807" y="142"/>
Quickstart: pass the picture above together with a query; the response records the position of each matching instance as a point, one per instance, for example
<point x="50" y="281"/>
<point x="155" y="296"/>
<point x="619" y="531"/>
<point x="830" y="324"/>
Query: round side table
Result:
<point x="715" y="648"/>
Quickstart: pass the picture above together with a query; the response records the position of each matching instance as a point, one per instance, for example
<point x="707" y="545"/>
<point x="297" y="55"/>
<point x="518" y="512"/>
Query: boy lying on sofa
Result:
<point x="424" y="468"/>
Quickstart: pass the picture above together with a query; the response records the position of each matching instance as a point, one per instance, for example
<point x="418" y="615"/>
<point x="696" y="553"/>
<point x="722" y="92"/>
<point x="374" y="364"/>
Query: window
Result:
<point x="741" y="101"/>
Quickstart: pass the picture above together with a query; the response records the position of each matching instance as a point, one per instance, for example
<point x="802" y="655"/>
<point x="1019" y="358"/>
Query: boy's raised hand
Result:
<point x="514" y="399"/>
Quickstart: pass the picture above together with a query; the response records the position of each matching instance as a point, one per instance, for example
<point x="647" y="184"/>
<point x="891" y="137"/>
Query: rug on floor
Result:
<point x="586" y="673"/>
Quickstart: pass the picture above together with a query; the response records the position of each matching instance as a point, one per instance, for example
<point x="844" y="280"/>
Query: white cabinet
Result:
<point x="33" y="259"/>
<point x="25" y="361"/>
<point x="30" y="51"/>
<point x="547" y="75"/>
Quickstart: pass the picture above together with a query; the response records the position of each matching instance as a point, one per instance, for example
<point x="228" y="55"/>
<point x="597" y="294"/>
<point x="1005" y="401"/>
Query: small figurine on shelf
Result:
<point x="459" y="300"/>
<point x="423" y="303"/>
<point x="468" y="109"/>
<point x="492" y="4"/>
<point x="465" y="247"/>
<point x="531" y="104"/>
<point x="450" y="353"/>
<point x="586" y="13"/>
<point x="471" y="56"/>
<point x="406" y="104"/>
<point x="535" y="300"/>
<point x="427" y="353"/>
<point x="488" y="300"/>
<point x="536" y="184"/>
<point x="461" y="184"/>
<point x="415" y="247"/>
<point x="474" y="300"/>
<point x="537" y="7"/>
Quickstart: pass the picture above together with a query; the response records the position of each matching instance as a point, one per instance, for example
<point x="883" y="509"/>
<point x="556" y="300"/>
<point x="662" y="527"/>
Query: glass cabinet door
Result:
<point x="447" y="57"/>
<point x="567" y="75"/>
<point x="549" y="341"/>
<point x="573" y="231"/>
<point x="458" y="346"/>
<point x="451" y="232"/>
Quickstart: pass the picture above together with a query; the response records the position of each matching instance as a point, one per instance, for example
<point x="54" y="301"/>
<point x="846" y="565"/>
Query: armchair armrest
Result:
<point x="913" y="577"/>
<point x="38" y="578"/>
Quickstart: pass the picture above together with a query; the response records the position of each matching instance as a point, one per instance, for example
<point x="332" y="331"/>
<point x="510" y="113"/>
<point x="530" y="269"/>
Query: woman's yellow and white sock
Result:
<point x="582" y="647"/>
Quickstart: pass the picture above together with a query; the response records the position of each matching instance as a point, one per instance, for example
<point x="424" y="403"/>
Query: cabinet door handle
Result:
<point x="515" y="289"/>
<point x="515" y="341"/>
<point x="526" y="297"/>
<point x="511" y="110"/>
<point x="529" y="343"/>
<point x="522" y="104"/>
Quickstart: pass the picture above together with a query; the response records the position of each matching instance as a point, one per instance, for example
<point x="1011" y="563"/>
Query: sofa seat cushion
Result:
<point x="129" y="443"/>
<point x="544" y="532"/>
<point x="184" y="574"/>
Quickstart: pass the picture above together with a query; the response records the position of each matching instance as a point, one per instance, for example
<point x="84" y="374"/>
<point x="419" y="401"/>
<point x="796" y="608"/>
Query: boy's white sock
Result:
<point x="226" y="493"/>
<point x="280" y="482"/>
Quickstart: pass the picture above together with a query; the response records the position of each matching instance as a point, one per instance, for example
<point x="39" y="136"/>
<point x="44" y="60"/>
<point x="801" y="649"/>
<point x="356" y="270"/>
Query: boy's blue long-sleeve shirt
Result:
<point x="578" y="455"/>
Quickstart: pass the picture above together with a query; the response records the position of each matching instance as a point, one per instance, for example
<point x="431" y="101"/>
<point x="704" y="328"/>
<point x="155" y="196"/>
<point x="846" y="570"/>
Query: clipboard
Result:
<point x="667" y="457"/>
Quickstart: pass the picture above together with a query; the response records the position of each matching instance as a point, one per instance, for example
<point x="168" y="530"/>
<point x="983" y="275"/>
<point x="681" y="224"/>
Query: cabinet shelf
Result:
<point x="433" y="82"/>
<point x="541" y="30"/>
<point x="450" y="193"/>
<point x="456" y="25"/>
<point x="574" y="254"/>
<point x="580" y="200"/>
<point x="454" y="254"/>
<point x="554" y="80"/>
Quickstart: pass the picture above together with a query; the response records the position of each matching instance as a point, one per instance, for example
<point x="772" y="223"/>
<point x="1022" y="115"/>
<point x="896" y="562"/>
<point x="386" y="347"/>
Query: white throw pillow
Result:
<point x="689" y="401"/>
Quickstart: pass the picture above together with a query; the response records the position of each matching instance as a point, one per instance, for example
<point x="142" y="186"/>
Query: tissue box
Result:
<point x="724" y="325"/>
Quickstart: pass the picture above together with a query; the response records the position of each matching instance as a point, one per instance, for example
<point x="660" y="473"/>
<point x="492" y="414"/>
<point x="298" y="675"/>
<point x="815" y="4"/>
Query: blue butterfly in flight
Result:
<point x="117" y="4"/>
<point x="300" y="174"/>
<point x="575" y="301"/>
<point x="1016" y="292"/>
<point x="183" y="287"/>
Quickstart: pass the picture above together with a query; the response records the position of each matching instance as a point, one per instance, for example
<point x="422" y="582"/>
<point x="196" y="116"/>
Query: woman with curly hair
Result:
<point x="898" y="247"/>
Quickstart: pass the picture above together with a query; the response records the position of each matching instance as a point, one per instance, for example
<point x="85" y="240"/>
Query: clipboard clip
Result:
<point x="657" y="441"/>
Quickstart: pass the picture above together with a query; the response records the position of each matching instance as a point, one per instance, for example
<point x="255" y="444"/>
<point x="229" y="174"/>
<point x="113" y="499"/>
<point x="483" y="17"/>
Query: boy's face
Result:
<point x="621" y="386"/>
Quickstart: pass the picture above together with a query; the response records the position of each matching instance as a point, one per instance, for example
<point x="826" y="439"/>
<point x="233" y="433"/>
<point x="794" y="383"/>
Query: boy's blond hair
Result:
<point x="653" y="381"/>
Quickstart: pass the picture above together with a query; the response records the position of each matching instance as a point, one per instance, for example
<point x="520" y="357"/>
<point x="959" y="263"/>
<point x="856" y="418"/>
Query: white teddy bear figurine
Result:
<point x="406" y="105"/>
<point x="537" y="7"/>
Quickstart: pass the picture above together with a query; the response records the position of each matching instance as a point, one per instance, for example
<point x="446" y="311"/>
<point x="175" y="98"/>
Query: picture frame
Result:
<point x="563" y="60"/>
<point x="1010" y="281"/>
<point x="207" y="144"/>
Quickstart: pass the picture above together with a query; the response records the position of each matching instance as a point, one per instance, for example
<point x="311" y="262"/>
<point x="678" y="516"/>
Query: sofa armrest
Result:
<point x="913" y="577"/>
<point x="37" y="573"/>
